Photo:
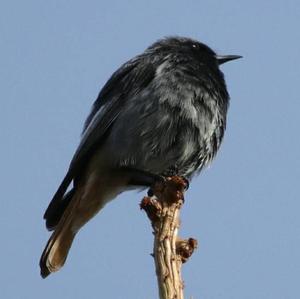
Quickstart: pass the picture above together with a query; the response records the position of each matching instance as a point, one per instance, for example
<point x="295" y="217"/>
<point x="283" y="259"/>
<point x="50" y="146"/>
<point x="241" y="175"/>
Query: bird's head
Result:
<point x="191" y="48"/>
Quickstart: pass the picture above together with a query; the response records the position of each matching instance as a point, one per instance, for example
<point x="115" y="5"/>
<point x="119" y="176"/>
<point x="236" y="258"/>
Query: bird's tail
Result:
<point x="67" y="218"/>
<point x="59" y="244"/>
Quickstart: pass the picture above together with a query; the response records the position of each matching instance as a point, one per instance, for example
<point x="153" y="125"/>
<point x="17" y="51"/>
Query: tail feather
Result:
<point x="68" y="214"/>
<point x="53" y="218"/>
<point x="59" y="244"/>
<point x="58" y="196"/>
<point x="56" y="252"/>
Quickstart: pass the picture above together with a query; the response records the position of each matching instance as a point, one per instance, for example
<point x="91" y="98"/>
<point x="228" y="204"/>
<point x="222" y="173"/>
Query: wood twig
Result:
<point x="169" y="251"/>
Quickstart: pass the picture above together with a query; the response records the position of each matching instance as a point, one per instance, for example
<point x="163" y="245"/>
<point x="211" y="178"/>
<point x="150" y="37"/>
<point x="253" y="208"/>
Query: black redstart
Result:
<point x="161" y="113"/>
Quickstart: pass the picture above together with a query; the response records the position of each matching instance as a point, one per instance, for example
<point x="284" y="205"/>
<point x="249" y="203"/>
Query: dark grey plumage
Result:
<point x="161" y="113"/>
<point x="168" y="109"/>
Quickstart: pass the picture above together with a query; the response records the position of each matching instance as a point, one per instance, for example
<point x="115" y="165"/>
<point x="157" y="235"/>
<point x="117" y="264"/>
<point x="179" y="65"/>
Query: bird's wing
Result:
<point x="127" y="81"/>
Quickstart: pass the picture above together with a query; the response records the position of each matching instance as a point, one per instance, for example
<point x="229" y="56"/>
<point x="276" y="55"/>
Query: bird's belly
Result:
<point x="162" y="140"/>
<point x="159" y="150"/>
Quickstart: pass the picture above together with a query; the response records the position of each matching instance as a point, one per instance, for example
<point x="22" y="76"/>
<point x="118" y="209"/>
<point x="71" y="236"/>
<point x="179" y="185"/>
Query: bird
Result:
<point x="162" y="113"/>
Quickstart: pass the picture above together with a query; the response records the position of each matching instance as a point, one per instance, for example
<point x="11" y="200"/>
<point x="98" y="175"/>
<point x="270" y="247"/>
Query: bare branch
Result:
<point x="169" y="251"/>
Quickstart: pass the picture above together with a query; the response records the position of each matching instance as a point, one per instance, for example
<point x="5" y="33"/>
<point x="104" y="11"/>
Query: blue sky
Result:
<point x="244" y="209"/>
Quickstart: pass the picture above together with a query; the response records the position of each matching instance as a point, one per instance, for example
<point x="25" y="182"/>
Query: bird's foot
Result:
<point x="171" y="189"/>
<point x="174" y="172"/>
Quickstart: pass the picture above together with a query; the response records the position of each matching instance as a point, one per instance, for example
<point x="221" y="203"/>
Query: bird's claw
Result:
<point x="187" y="183"/>
<point x="159" y="184"/>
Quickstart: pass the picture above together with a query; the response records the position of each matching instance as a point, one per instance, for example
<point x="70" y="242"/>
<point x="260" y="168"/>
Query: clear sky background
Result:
<point x="244" y="210"/>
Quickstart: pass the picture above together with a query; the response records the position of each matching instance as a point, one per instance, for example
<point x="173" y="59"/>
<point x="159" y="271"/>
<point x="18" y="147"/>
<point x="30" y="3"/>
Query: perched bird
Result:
<point x="161" y="113"/>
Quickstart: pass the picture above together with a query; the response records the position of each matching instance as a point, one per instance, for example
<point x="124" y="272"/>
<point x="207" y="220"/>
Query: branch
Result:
<point x="170" y="252"/>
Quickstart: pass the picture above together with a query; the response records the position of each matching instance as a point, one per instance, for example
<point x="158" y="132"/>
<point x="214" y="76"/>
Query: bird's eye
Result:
<point x="194" y="46"/>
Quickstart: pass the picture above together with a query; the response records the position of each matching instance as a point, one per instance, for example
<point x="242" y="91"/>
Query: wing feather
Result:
<point x="127" y="81"/>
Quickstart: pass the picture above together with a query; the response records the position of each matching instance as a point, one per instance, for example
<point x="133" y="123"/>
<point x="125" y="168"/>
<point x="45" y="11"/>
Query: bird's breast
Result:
<point x="166" y="127"/>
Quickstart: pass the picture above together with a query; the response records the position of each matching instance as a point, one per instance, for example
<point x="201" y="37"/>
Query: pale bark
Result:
<point x="169" y="251"/>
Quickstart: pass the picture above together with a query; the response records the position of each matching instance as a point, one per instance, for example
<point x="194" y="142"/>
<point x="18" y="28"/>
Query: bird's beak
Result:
<point x="224" y="58"/>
